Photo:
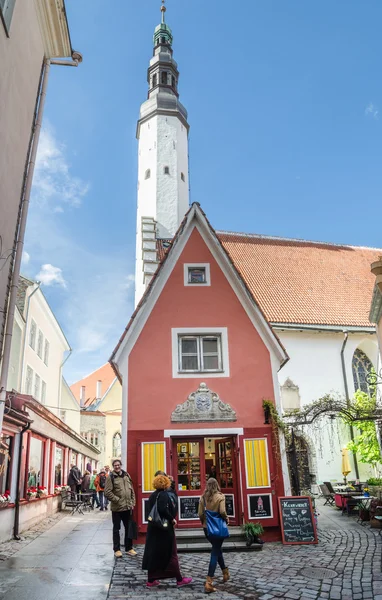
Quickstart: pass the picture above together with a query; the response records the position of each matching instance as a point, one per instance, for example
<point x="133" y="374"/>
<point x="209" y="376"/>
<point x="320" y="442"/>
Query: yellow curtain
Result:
<point x="153" y="461"/>
<point x="256" y="463"/>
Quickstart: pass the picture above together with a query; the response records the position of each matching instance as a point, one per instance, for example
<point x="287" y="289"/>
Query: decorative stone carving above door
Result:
<point x="203" y="406"/>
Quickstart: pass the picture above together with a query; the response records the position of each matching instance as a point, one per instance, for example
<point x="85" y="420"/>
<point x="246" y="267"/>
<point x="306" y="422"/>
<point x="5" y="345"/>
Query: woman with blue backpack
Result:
<point x="214" y="519"/>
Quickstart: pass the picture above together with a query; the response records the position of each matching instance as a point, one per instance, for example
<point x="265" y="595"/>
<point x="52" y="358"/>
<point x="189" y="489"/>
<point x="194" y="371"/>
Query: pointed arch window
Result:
<point x="117" y="445"/>
<point x="361" y="367"/>
<point x="147" y="174"/>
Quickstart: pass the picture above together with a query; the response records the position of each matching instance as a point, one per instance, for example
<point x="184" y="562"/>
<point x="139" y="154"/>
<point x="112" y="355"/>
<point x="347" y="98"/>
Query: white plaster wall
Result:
<point x="51" y="374"/>
<point x="163" y="142"/>
<point x="72" y="409"/>
<point x="315" y="366"/>
<point x="31" y="513"/>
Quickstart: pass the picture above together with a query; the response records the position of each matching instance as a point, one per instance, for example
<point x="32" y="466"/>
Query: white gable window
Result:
<point x="32" y="334"/>
<point x="197" y="274"/>
<point x="37" y="382"/>
<point x="196" y="351"/>
<point x="28" y="380"/>
<point x="46" y="353"/>
<point x="40" y="343"/>
<point x="43" y="392"/>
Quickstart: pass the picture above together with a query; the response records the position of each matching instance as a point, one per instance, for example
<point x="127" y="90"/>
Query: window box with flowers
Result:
<point x="57" y="490"/>
<point x="42" y="492"/>
<point x="5" y="499"/>
<point x="31" y="493"/>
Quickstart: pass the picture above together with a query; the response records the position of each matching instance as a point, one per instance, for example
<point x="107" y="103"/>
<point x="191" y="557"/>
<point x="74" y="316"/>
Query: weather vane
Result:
<point x="163" y="9"/>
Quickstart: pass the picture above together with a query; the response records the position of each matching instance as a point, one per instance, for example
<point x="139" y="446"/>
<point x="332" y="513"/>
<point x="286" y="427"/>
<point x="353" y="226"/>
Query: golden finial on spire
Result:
<point x="163" y="9"/>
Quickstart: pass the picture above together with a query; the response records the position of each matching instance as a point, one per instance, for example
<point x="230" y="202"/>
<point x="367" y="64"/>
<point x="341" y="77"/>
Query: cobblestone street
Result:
<point x="74" y="559"/>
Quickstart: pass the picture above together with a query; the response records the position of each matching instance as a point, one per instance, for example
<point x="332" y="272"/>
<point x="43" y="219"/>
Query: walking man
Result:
<point x="119" y="490"/>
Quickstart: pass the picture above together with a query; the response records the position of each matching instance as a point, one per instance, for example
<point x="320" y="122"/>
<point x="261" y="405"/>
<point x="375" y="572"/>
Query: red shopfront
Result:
<point x="240" y="459"/>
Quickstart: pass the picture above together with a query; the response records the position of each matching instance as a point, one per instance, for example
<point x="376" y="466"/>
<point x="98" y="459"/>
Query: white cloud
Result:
<point x="50" y="275"/>
<point x="53" y="181"/>
<point x="372" y="111"/>
<point x="129" y="282"/>
<point x="25" y="259"/>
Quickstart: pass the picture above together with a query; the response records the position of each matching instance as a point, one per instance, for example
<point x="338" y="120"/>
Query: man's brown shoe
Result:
<point x="131" y="552"/>
<point x="118" y="554"/>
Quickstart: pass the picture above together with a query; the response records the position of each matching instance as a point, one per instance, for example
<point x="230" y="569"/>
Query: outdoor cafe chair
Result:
<point x="329" y="496"/>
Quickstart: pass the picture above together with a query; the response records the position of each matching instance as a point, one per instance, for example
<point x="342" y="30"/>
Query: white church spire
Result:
<point x="162" y="133"/>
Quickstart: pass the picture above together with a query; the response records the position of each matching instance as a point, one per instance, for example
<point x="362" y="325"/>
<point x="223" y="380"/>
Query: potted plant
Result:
<point x="57" y="489"/>
<point x="41" y="491"/>
<point x="252" y="532"/>
<point x="375" y="485"/>
<point x="5" y="499"/>
<point x="31" y="493"/>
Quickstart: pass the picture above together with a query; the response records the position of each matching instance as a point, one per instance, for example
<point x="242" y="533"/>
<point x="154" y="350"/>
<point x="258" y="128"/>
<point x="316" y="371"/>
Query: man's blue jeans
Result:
<point x="216" y="554"/>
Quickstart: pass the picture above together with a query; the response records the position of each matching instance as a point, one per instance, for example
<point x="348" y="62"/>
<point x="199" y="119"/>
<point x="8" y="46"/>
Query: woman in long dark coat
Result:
<point x="160" y="557"/>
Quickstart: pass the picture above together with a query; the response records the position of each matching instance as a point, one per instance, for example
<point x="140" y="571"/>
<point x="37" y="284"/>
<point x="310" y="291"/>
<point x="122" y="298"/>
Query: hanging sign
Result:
<point x="297" y="521"/>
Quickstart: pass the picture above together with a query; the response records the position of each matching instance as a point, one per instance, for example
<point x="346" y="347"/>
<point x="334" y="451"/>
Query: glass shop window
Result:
<point x="36" y="461"/>
<point x="188" y="466"/>
<point x="58" y="466"/>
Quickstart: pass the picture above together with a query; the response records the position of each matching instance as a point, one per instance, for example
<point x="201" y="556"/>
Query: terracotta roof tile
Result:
<point x="297" y="281"/>
<point x="104" y="374"/>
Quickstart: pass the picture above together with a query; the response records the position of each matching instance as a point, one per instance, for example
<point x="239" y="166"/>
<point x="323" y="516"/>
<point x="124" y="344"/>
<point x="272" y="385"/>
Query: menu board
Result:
<point x="297" y="521"/>
<point x="188" y="507"/>
<point x="146" y="510"/>
<point x="260" y="506"/>
<point x="230" y="505"/>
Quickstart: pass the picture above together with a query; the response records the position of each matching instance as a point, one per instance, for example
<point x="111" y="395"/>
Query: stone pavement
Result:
<point x="74" y="560"/>
<point x="350" y="552"/>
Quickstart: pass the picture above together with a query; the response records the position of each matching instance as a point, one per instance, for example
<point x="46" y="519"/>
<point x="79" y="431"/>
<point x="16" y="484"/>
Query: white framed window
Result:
<point x="32" y="334"/>
<point x="200" y="350"/>
<point x="40" y="343"/>
<point x="46" y="352"/>
<point x="94" y="439"/>
<point x="28" y="380"/>
<point x="200" y="353"/>
<point x="37" y="382"/>
<point x="197" y="274"/>
<point x="43" y="392"/>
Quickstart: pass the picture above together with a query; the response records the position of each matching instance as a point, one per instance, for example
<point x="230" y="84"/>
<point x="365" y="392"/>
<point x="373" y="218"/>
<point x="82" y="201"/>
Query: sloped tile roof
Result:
<point x="297" y="281"/>
<point x="104" y="374"/>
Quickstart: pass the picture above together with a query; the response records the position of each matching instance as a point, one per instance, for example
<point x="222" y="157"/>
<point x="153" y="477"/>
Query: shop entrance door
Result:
<point x="194" y="461"/>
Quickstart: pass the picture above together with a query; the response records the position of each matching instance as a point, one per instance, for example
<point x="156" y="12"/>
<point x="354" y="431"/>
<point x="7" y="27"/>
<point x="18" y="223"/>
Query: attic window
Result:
<point x="197" y="274"/>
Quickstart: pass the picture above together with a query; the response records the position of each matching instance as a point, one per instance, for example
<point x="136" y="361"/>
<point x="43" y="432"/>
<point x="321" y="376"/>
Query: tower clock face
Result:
<point x="203" y="402"/>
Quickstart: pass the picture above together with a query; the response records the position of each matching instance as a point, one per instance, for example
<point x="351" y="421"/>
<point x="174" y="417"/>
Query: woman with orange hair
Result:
<point x="160" y="557"/>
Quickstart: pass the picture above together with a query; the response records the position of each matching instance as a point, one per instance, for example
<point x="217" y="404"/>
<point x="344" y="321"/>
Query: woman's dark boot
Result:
<point x="208" y="586"/>
<point x="226" y="576"/>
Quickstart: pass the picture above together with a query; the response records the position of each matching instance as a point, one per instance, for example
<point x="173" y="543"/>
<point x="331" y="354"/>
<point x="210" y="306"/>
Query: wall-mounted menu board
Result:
<point x="188" y="507"/>
<point x="230" y="505"/>
<point x="297" y="521"/>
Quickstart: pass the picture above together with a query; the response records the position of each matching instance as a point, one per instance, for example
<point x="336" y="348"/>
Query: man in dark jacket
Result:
<point x="119" y="490"/>
<point x="74" y="480"/>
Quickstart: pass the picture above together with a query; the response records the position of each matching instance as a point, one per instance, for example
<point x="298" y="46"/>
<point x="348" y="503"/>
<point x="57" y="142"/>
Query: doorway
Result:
<point x="194" y="461"/>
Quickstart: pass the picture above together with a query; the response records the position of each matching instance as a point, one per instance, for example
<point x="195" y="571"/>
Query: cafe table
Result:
<point x="363" y="505"/>
<point x="341" y="500"/>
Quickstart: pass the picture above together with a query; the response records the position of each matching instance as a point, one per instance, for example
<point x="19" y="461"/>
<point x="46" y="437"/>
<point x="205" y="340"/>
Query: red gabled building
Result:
<point x="196" y="362"/>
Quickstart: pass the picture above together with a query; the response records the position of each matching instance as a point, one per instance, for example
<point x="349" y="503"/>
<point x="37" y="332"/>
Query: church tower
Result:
<point x="162" y="132"/>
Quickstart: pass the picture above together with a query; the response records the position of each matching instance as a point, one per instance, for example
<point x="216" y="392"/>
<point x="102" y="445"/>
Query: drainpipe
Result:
<point x="26" y="335"/>
<point x="18" y="251"/>
<point x="346" y="335"/>
<point x="17" y="499"/>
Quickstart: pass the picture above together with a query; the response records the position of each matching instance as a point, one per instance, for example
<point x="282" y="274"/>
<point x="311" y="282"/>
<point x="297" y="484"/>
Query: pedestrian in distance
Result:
<point x="106" y="500"/>
<point x="74" y="480"/>
<point x="100" y="482"/>
<point x="93" y="489"/>
<point x="160" y="557"/>
<point x="213" y="500"/>
<point x="85" y="483"/>
<point x="120" y="491"/>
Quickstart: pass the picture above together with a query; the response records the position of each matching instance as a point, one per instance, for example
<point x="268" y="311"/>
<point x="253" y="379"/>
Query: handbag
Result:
<point x="132" y="529"/>
<point x="216" y="525"/>
<point x="155" y="519"/>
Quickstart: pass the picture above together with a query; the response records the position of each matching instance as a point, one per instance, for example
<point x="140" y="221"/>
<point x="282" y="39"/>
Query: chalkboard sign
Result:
<point x="230" y="505"/>
<point x="146" y="510"/>
<point x="260" y="506"/>
<point x="297" y="521"/>
<point x="188" y="507"/>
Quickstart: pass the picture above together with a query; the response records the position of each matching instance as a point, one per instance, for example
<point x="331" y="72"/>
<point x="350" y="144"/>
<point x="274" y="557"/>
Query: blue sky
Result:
<point x="285" y="108"/>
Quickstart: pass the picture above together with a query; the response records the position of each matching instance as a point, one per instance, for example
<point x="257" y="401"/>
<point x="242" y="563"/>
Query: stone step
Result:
<point x="228" y="546"/>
